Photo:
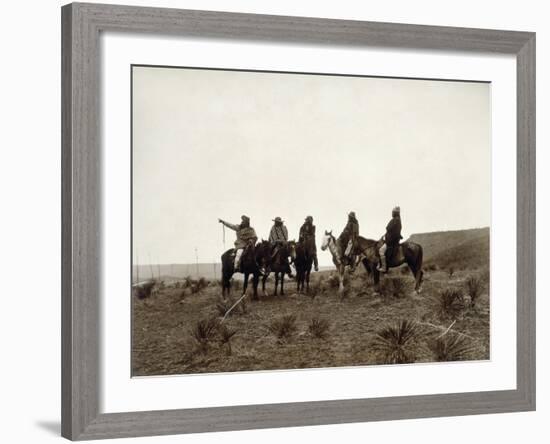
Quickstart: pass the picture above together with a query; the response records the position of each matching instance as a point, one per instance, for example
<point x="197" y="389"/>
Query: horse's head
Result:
<point x="263" y="252"/>
<point x="291" y="250"/>
<point x="327" y="239"/>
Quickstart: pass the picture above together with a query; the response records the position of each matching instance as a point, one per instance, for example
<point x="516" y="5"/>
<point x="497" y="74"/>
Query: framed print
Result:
<point x="280" y="221"/>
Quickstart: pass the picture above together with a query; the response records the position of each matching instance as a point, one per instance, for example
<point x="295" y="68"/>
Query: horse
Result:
<point x="279" y="265"/>
<point x="254" y="257"/>
<point x="303" y="263"/>
<point x="408" y="252"/>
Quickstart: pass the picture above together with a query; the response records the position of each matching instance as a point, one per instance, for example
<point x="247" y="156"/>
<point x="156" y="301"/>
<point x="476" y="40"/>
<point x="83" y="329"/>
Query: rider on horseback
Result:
<point x="307" y="237"/>
<point x="348" y="238"/>
<point x="246" y="236"/>
<point x="391" y="240"/>
<point x="278" y="236"/>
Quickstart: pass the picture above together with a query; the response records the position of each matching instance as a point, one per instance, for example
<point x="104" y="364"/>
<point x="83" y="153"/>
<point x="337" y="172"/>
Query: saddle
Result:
<point x="394" y="254"/>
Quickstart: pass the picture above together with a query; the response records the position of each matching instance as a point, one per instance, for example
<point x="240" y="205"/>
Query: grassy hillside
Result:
<point x="460" y="250"/>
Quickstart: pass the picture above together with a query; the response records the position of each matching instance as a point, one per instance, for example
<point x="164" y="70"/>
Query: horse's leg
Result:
<point x="341" y="272"/>
<point x="417" y="273"/>
<point x="276" y="282"/>
<point x="307" y="280"/>
<point x="255" y="282"/>
<point x="264" y="279"/>
<point x="282" y="283"/>
<point x="245" y="283"/>
<point x="226" y="284"/>
<point x="376" y="278"/>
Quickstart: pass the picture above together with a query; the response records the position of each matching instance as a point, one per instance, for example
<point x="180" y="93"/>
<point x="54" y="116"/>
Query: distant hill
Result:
<point x="176" y="271"/>
<point x="459" y="249"/>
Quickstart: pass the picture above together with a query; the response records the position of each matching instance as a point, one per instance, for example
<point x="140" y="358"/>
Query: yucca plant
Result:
<point x="203" y="332"/>
<point x="449" y="303"/>
<point x="394" y="343"/>
<point x="283" y="327"/>
<point x="451" y="348"/>
<point x="474" y="287"/>
<point x="318" y="327"/>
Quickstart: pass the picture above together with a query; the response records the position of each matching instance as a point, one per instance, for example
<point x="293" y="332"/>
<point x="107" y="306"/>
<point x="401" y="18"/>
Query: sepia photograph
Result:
<point x="285" y="220"/>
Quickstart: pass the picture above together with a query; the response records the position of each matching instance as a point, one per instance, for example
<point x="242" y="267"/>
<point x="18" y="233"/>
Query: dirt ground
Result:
<point x="276" y="332"/>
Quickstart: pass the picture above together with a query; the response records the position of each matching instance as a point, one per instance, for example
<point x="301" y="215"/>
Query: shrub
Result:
<point x="203" y="332"/>
<point x="222" y="308"/>
<point x="333" y="281"/>
<point x="474" y="287"/>
<point x="315" y="288"/>
<point x="449" y="303"/>
<point x="226" y="334"/>
<point x="451" y="348"/>
<point x="318" y="328"/>
<point x="283" y="327"/>
<point x="144" y="290"/>
<point x="202" y="283"/>
<point x="394" y="343"/>
<point x="395" y="287"/>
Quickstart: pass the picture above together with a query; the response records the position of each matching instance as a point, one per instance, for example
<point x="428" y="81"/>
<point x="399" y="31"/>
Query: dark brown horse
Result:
<point x="253" y="258"/>
<point x="407" y="252"/>
<point x="410" y="253"/>
<point x="279" y="265"/>
<point x="303" y="263"/>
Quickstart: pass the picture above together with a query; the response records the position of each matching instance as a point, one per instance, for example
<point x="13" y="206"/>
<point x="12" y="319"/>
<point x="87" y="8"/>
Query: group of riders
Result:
<point x="347" y="241"/>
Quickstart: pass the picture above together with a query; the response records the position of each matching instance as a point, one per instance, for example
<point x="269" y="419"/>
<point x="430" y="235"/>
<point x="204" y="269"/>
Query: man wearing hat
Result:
<point x="278" y="236"/>
<point x="307" y="237"/>
<point x="245" y="236"/>
<point x="391" y="239"/>
<point x="348" y="239"/>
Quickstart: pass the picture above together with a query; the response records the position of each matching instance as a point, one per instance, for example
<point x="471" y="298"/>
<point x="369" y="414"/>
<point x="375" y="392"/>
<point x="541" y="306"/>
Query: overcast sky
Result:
<point x="209" y="144"/>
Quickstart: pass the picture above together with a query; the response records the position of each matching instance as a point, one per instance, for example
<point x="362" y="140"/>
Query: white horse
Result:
<point x="329" y="241"/>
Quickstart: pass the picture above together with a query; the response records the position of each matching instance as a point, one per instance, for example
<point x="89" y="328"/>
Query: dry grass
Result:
<point x="162" y="324"/>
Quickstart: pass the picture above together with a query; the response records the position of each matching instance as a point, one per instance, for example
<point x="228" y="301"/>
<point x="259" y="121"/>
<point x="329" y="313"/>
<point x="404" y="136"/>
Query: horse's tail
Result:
<point x="419" y="263"/>
<point x="227" y="270"/>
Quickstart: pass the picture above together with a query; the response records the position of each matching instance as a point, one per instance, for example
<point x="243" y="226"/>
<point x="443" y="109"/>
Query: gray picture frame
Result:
<point x="81" y="241"/>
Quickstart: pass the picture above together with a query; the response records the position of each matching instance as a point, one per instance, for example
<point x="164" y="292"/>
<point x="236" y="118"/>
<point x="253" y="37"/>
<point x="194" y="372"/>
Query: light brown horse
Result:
<point x="410" y="253"/>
